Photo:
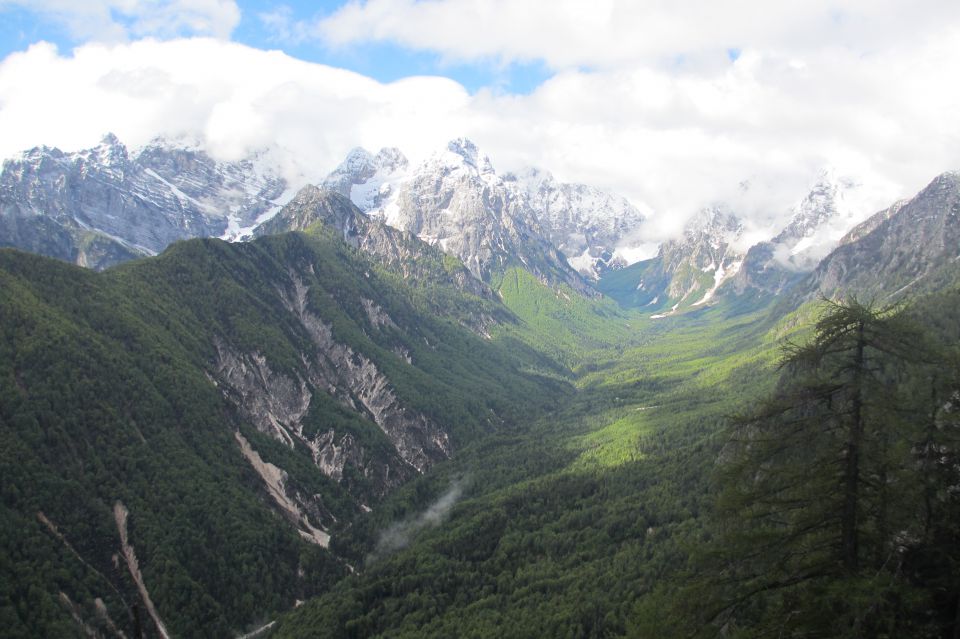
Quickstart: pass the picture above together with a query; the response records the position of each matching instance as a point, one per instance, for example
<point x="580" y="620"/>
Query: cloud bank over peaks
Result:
<point x="232" y="98"/>
<point x="671" y="140"/>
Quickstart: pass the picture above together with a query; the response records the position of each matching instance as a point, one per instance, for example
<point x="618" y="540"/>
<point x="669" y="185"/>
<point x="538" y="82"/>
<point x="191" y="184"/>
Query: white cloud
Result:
<point x="670" y="138"/>
<point x="118" y="20"/>
<point x="611" y="33"/>
<point x="231" y="97"/>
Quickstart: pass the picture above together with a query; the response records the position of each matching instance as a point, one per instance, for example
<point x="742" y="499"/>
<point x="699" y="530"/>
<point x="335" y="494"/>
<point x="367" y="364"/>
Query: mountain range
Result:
<point x="109" y="204"/>
<point x="408" y="400"/>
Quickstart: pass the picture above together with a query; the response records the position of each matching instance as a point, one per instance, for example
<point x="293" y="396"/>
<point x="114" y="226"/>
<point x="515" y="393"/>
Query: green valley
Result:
<point x="311" y="438"/>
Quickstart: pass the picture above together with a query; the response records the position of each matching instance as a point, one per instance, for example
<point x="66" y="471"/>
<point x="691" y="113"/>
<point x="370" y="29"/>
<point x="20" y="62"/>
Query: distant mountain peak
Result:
<point x="832" y="207"/>
<point x="455" y="199"/>
<point x="946" y="180"/>
<point x="715" y="224"/>
<point x="391" y="159"/>
<point x="183" y="142"/>
<point x="110" y="152"/>
<point x="531" y="180"/>
<point x="367" y="179"/>
<point x="110" y="139"/>
<point x="908" y="247"/>
<point x="357" y="158"/>
<point x="594" y="229"/>
<point x="461" y="151"/>
<point x="131" y="203"/>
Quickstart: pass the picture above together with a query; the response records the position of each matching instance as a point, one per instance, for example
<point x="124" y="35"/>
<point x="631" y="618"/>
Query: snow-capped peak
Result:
<point x="390" y="160"/>
<point x="110" y="153"/>
<point x="368" y="180"/>
<point x="834" y="205"/>
<point x="463" y="151"/>
<point x="455" y="198"/>
<point x="358" y="160"/>
<point x="531" y="180"/>
<point x="109" y="140"/>
<point x="594" y="229"/>
<point x="714" y="225"/>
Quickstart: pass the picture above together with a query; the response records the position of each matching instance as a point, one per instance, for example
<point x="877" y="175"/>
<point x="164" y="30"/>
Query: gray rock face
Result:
<point x="456" y="201"/>
<point x="400" y="251"/>
<point x="906" y="249"/>
<point x="359" y="384"/>
<point x="816" y="227"/>
<point x="689" y="271"/>
<point x="589" y="226"/>
<point x="277" y="403"/>
<point x="273" y="402"/>
<point x="108" y="204"/>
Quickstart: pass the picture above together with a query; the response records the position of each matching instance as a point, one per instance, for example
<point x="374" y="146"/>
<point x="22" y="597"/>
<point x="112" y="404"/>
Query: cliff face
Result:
<point x="906" y="249"/>
<point x="108" y="204"/>
<point x="455" y="200"/>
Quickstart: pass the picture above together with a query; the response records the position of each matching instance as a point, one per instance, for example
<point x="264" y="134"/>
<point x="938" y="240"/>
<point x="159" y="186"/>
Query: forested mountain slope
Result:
<point x="206" y="422"/>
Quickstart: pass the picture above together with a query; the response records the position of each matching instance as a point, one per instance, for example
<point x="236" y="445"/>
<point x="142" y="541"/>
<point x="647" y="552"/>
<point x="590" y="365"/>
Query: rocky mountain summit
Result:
<point x="368" y="180"/>
<point x="911" y="247"/>
<point x="817" y="225"/>
<point x="592" y="228"/>
<point x="107" y="204"/>
<point x="689" y="271"/>
<point x="457" y="201"/>
<point x="589" y="227"/>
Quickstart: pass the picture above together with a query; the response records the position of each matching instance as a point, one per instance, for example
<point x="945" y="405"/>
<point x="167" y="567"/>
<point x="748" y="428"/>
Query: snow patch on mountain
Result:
<point x="456" y="200"/>
<point x="370" y="181"/>
<point x="593" y="229"/>
<point x="721" y="274"/>
<point x="835" y="204"/>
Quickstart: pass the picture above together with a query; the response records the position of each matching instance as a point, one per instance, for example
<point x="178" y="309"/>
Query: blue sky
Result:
<point x="20" y="26"/>
<point x="383" y="61"/>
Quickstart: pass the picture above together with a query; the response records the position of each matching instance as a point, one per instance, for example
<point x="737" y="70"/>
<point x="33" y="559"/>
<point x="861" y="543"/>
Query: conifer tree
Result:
<point x="818" y="484"/>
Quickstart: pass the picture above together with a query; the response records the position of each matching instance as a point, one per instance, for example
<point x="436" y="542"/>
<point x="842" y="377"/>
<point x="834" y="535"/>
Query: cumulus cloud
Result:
<point x="671" y="138"/>
<point x="232" y="98"/>
<point x="116" y="20"/>
<point x="611" y="33"/>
